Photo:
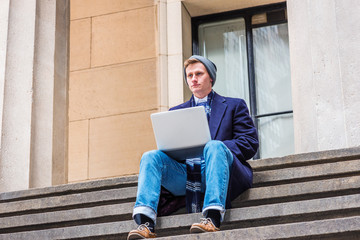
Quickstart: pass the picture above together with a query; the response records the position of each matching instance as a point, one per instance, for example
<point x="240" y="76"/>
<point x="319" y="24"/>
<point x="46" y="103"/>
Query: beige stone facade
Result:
<point x="113" y="86"/>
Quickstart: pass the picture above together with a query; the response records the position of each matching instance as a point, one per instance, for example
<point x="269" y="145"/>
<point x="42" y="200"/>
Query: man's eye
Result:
<point x="198" y="74"/>
<point x="190" y="75"/>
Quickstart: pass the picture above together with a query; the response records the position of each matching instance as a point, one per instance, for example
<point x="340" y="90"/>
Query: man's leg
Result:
<point x="216" y="174"/>
<point x="156" y="170"/>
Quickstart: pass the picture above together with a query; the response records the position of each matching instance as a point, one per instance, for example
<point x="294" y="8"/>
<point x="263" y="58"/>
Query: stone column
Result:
<point x="179" y="48"/>
<point x="175" y="52"/>
<point x="325" y="68"/>
<point x="33" y="72"/>
<point x="162" y="70"/>
<point x="4" y="21"/>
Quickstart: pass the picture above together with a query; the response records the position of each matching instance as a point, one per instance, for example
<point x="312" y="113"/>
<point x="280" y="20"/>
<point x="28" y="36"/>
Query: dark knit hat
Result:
<point x="209" y="65"/>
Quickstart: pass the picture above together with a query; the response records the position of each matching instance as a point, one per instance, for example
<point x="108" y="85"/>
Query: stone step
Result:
<point x="72" y="188"/>
<point x="71" y="201"/>
<point x="125" y="197"/>
<point x="259" y="216"/>
<point x="306" y="159"/>
<point x="122" y="193"/>
<point x="298" y="191"/>
<point x="255" y="196"/>
<point x="281" y="213"/>
<point x="338" y="228"/>
<point x="306" y="173"/>
<point x="120" y="212"/>
<point x="289" y="193"/>
<point x="262" y="174"/>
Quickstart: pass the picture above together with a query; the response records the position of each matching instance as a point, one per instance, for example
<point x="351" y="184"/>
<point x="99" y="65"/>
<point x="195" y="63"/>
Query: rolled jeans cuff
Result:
<point x="147" y="211"/>
<point x="215" y="207"/>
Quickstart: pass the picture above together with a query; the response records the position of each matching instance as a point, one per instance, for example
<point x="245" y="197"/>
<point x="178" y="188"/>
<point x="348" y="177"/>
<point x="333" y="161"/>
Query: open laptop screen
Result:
<point x="181" y="133"/>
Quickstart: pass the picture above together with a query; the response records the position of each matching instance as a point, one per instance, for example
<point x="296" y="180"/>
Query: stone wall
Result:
<point x="113" y="86"/>
<point x="324" y="48"/>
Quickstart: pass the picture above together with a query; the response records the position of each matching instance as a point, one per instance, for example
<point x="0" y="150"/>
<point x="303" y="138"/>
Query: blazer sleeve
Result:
<point x="244" y="142"/>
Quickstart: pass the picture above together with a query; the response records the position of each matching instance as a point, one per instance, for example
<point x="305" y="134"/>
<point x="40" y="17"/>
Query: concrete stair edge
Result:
<point x="69" y="188"/>
<point x="329" y="228"/>
<point x="111" y="212"/>
<point x="319" y="206"/>
<point x="258" y="165"/>
<point x="289" y="195"/>
<point x="306" y="158"/>
<point x="300" y="173"/>
<point x="253" y="196"/>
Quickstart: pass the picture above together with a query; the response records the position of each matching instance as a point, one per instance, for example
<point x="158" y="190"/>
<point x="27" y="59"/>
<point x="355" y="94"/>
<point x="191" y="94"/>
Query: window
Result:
<point x="251" y="50"/>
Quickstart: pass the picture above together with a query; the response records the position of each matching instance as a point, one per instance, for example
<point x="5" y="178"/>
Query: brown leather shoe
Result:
<point x="206" y="225"/>
<point x="141" y="232"/>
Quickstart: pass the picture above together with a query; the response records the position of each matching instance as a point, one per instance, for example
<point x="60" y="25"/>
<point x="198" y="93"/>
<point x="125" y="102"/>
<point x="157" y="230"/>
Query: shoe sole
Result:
<point x="135" y="236"/>
<point x="196" y="230"/>
<point x="200" y="230"/>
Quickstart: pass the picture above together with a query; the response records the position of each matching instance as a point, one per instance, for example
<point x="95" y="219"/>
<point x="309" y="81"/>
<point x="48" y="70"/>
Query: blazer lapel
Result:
<point x="185" y="104"/>
<point x="217" y="112"/>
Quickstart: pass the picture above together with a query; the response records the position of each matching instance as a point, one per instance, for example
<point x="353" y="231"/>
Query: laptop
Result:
<point x="183" y="133"/>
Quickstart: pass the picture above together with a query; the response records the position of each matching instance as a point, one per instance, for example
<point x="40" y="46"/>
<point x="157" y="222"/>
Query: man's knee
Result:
<point x="149" y="154"/>
<point x="214" y="144"/>
<point x="151" y="157"/>
<point x="218" y="147"/>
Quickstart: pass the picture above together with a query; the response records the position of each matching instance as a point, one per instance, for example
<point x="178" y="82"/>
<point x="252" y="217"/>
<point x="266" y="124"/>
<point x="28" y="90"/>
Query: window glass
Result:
<point x="224" y="43"/>
<point x="273" y="90"/>
<point x="276" y="135"/>
<point x="272" y="69"/>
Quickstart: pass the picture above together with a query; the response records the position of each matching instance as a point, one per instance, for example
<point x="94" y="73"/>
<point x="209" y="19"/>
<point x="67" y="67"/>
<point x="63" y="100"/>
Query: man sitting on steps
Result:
<point x="224" y="172"/>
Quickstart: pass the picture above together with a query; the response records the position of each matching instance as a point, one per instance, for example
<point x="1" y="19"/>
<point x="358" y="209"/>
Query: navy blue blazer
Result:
<point x="231" y="123"/>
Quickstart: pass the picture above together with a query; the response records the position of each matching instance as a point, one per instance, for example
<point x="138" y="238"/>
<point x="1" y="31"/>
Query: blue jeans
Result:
<point x="157" y="169"/>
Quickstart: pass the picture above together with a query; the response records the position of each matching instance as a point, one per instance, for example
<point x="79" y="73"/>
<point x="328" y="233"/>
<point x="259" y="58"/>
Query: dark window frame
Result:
<point x="247" y="14"/>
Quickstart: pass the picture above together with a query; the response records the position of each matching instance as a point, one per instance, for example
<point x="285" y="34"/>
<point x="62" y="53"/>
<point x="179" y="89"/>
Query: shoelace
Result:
<point x="206" y="221"/>
<point x="144" y="226"/>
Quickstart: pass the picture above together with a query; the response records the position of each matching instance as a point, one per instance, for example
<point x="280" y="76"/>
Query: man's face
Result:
<point x="198" y="79"/>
